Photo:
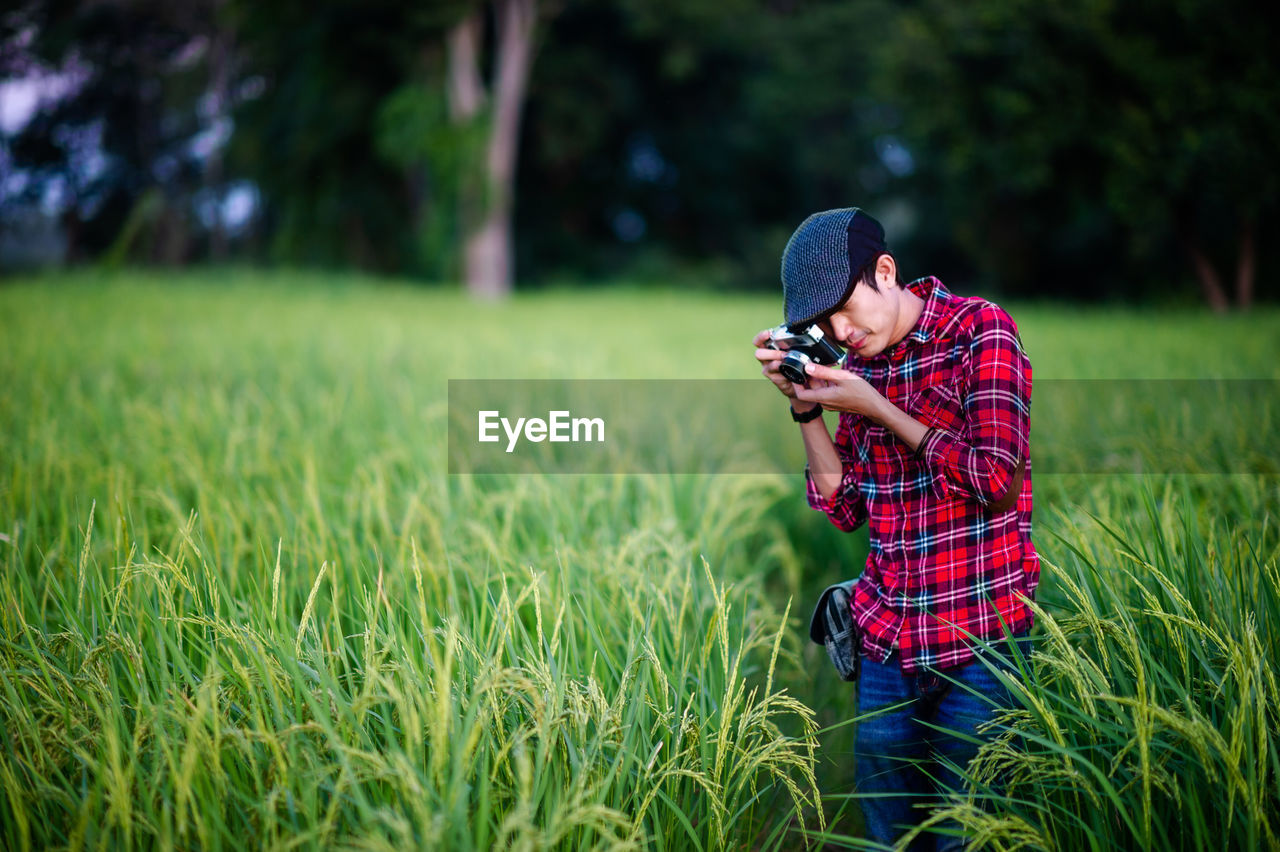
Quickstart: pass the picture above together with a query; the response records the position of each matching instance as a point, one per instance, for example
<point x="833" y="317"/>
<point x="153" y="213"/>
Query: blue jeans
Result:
<point x="898" y="768"/>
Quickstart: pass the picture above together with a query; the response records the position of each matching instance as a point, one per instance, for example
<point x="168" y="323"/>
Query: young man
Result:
<point x="932" y="453"/>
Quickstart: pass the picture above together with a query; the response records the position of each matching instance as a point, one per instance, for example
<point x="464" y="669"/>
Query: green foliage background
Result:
<point x="1078" y="150"/>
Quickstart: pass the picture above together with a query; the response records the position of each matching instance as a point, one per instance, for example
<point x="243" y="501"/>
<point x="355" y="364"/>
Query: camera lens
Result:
<point x="792" y="367"/>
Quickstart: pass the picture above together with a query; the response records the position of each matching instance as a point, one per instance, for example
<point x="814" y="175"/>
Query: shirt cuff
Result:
<point x="816" y="500"/>
<point x="935" y="445"/>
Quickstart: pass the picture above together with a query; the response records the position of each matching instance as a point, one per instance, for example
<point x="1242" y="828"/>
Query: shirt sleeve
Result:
<point x="846" y="507"/>
<point x="996" y="397"/>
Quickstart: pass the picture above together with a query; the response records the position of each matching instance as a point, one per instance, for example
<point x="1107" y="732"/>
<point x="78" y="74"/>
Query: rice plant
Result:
<point x="244" y="603"/>
<point x="1149" y="714"/>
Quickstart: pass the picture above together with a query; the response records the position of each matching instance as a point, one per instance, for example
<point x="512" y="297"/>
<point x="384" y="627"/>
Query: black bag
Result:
<point x="834" y="626"/>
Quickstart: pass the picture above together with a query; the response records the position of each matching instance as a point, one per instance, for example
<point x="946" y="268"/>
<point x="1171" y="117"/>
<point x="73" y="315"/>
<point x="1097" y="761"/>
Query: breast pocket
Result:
<point x="938" y="406"/>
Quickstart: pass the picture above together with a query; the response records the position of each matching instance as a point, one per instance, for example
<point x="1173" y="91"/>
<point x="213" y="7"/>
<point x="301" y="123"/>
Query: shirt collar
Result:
<point x="936" y="296"/>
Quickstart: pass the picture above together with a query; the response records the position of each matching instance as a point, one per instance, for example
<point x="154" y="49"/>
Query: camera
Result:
<point x="809" y="346"/>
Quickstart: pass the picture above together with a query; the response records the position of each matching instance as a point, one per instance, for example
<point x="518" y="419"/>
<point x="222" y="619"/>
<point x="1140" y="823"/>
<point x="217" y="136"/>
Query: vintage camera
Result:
<point x="804" y="347"/>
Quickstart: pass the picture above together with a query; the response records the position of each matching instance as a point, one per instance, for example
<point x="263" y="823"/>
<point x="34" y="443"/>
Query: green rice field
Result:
<point x="245" y="605"/>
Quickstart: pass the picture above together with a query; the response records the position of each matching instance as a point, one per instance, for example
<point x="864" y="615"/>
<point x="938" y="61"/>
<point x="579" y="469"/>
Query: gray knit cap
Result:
<point x="822" y="260"/>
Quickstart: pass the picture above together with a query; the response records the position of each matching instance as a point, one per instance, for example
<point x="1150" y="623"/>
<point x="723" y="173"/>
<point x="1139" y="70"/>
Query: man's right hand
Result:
<point x="770" y="359"/>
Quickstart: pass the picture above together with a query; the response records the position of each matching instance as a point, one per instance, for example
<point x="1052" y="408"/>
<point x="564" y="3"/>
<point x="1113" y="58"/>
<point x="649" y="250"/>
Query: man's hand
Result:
<point x="770" y="359"/>
<point x="840" y="390"/>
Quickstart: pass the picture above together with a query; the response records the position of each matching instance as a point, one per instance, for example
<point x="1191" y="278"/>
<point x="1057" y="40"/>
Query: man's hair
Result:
<point x="868" y="276"/>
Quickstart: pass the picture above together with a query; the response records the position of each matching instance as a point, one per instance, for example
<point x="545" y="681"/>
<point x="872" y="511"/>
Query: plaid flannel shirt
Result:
<point x="943" y="559"/>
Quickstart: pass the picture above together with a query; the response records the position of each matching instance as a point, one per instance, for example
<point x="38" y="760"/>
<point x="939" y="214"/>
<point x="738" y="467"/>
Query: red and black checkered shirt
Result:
<point x="944" y="561"/>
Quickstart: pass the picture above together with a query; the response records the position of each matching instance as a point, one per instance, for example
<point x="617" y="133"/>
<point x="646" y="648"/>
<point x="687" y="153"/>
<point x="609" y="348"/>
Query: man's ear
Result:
<point x="886" y="271"/>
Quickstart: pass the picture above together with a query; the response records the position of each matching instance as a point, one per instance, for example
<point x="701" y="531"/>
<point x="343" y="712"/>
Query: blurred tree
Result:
<point x="324" y="70"/>
<point x="1080" y="149"/>
<point x="1193" y="139"/>
<point x="485" y="210"/>
<point x="442" y="152"/>
<point x="437" y="154"/>
<point x="1055" y="128"/>
<point x="632" y="135"/>
<point x="664" y="132"/>
<point x="218" y="103"/>
<point x="122" y="154"/>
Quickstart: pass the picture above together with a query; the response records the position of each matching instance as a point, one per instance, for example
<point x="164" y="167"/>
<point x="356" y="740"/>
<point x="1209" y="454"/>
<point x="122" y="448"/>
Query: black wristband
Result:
<point x="810" y="415"/>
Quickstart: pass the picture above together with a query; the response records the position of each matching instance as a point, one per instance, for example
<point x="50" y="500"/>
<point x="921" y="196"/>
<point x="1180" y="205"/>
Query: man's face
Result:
<point x="866" y="324"/>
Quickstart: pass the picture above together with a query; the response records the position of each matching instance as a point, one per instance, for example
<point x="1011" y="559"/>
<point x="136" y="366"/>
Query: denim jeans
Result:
<point x="898" y="769"/>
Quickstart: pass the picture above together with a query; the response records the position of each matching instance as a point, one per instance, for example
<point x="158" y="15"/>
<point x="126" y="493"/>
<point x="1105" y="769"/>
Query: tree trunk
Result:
<point x="466" y="95"/>
<point x="1246" y="259"/>
<point x="171" y="236"/>
<point x="466" y="89"/>
<point x="488" y="253"/>
<point x="1210" y="283"/>
<point x="488" y="258"/>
